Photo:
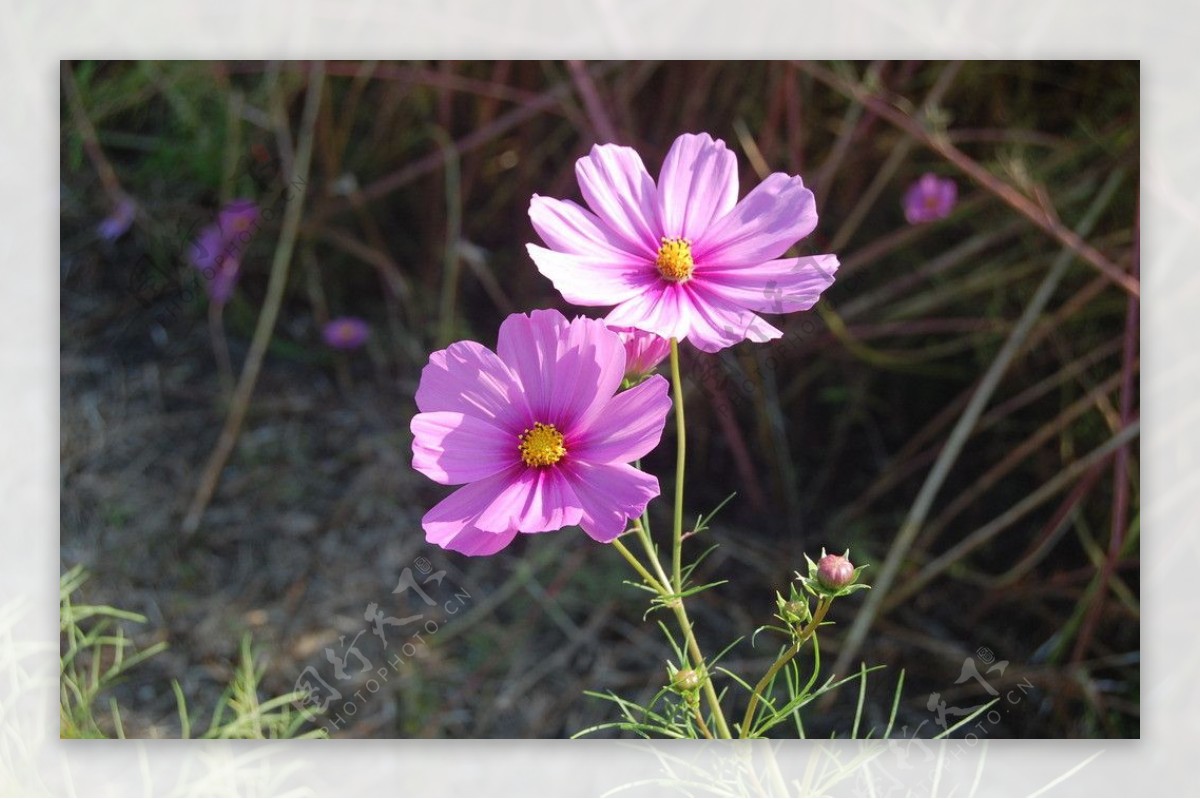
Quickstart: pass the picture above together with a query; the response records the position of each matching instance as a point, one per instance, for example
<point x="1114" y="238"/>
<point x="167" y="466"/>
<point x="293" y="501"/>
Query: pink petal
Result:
<point x="620" y="191"/>
<point x="529" y="345"/>
<point x="564" y="367"/>
<point x="697" y="185"/>
<point x="774" y="216"/>
<point x="452" y="523"/>
<point x="627" y="427"/>
<point x="590" y="367"/>
<point x="717" y="323"/>
<point x="550" y="502"/>
<point x="452" y="448"/>
<point x="664" y="308"/>
<point x="611" y="495"/>
<point x="594" y="279"/>
<point x="475" y="542"/>
<point x="783" y="286"/>
<point x="531" y="501"/>
<point x="468" y="377"/>
<point x="567" y="227"/>
<point x="515" y="500"/>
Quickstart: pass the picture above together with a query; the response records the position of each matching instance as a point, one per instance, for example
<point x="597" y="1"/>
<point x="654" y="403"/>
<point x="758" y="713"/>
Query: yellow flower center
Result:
<point x="541" y="445"/>
<point x="674" y="259"/>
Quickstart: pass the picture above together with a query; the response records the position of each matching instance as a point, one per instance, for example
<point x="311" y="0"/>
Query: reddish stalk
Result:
<point x="602" y="123"/>
<point x="546" y="101"/>
<point x="940" y="144"/>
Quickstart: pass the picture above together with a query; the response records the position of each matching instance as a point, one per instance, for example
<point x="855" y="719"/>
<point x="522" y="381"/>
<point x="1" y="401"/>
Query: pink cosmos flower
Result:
<point x="536" y="434"/>
<point x="930" y="198"/>
<point x="681" y="258"/>
<point x="217" y="251"/>
<point x="346" y="333"/>
<point x="643" y="351"/>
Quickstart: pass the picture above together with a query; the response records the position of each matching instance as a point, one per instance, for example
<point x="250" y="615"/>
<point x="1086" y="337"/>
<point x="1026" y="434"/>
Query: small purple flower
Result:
<point x="217" y="251"/>
<point x="220" y="288"/>
<point x="643" y="351"/>
<point x="117" y="223"/>
<point x="346" y="333"/>
<point x="930" y="198"/>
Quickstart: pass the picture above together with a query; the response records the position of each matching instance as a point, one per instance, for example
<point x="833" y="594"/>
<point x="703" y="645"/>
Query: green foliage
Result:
<point x="678" y="710"/>
<point x="97" y="656"/>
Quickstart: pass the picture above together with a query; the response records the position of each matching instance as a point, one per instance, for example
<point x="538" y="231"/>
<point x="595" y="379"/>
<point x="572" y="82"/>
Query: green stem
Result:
<point x="638" y="567"/>
<point x="791" y="652"/>
<point x="675" y="602"/>
<point x="680" y="453"/>
<point x="671" y="587"/>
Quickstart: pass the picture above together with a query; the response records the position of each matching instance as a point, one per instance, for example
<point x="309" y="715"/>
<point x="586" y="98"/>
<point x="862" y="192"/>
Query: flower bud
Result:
<point x="835" y="572"/>
<point x="797" y="608"/>
<point x="686" y="681"/>
<point x="643" y="352"/>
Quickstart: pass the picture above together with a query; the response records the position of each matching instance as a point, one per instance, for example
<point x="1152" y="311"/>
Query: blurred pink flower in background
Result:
<point x="537" y="432"/>
<point x="683" y="258"/>
<point x="116" y="224"/>
<point x="217" y="251"/>
<point x="929" y="198"/>
<point x="643" y="351"/>
<point x="346" y="333"/>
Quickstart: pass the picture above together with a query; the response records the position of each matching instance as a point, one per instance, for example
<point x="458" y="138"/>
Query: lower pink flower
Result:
<point x="537" y="433"/>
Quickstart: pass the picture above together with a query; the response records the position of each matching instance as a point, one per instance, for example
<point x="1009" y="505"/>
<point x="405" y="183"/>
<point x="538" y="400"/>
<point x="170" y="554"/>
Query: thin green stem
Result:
<point x="791" y="652"/>
<point x="638" y="567"/>
<point x="675" y="602"/>
<point x="680" y="453"/>
<point x="671" y="588"/>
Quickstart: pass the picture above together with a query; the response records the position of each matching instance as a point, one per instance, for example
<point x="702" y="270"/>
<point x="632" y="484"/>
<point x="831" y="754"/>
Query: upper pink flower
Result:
<point x="536" y="433"/>
<point x="682" y="258"/>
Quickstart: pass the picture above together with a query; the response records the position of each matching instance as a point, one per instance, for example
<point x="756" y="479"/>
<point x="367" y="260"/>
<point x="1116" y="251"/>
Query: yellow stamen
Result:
<point x="674" y="259"/>
<point x="541" y="445"/>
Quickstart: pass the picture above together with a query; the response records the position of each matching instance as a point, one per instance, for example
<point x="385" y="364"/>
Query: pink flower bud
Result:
<point x="835" y="571"/>
<point x="643" y="351"/>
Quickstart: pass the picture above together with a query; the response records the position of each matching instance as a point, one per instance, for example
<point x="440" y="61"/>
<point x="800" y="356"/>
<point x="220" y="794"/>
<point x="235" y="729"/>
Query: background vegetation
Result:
<point x="960" y="411"/>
